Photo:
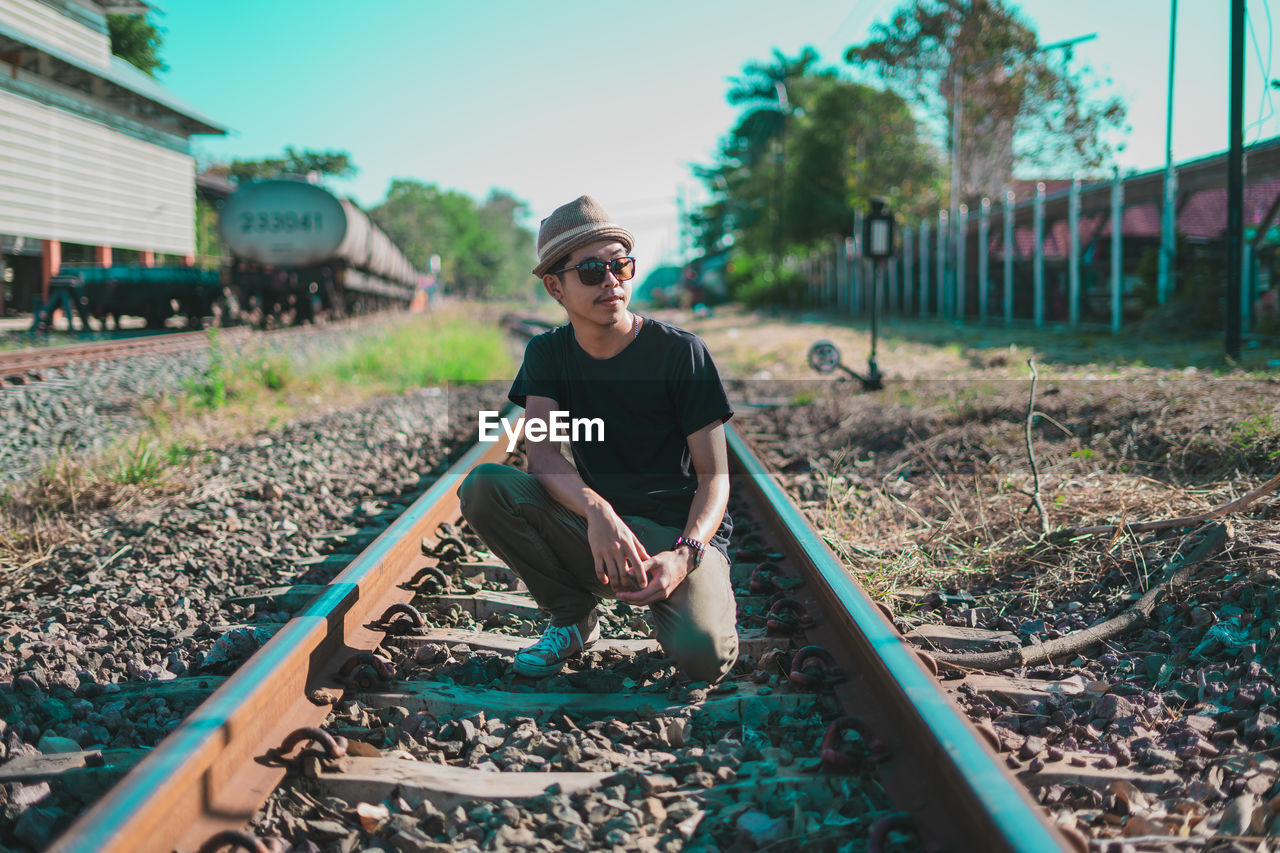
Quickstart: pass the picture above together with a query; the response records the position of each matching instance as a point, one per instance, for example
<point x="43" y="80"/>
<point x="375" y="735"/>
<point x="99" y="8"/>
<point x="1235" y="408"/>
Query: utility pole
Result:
<point x="1235" y="181"/>
<point x="1169" y="227"/>
<point x="957" y="116"/>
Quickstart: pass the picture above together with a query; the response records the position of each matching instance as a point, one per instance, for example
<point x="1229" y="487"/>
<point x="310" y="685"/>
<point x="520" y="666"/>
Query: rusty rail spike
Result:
<point x="356" y="668"/>
<point x="764" y="578"/>
<point x="450" y="549"/>
<point x="334" y="746"/>
<point x="787" y="616"/>
<point x="896" y="821"/>
<point x="435" y="573"/>
<point x="388" y="618"/>
<point x="806" y="661"/>
<point x="833" y="757"/>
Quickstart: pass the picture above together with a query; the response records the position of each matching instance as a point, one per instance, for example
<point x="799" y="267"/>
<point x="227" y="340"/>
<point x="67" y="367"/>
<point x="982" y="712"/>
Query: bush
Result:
<point x="759" y="281"/>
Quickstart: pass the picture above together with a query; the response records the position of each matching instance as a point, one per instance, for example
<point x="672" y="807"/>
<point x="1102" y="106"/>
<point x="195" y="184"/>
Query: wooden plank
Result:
<point x="749" y="705"/>
<point x="493" y="572"/>
<point x="1062" y="773"/>
<point x="1016" y="692"/>
<point x="186" y="688"/>
<point x="269" y="628"/>
<point x="482" y="605"/>
<point x="35" y="768"/>
<point x="949" y="638"/>
<point x="326" y="560"/>
<point x="754" y="642"/>
<point x="507" y="643"/>
<point x="287" y="598"/>
<point x="376" y="779"/>
<point x="446" y="787"/>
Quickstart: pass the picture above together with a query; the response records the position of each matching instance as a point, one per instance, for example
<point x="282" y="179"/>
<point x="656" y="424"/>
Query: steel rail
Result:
<point x="20" y="361"/>
<point x="16" y="362"/>
<point x="985" y="808"/>
<point x="209" y="774"/>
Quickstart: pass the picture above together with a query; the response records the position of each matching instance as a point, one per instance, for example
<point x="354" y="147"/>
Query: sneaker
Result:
<point x="557" y="645"/>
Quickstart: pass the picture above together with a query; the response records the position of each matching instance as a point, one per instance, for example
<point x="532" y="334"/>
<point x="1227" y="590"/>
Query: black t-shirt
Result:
<point x="661" y="388"/>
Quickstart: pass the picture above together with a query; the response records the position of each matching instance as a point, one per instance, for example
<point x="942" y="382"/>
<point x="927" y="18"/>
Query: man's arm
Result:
<point x="668" y="569"/>
<point x="619" y="556"/>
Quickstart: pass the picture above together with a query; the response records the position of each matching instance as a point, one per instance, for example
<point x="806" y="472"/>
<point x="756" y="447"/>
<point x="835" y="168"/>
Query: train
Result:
<point x="296" y="253"/>
<point x="299" y="252"/>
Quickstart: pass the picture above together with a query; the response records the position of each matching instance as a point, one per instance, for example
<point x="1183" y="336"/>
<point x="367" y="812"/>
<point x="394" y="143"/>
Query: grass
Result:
<point x="745" y="342"/>
<point x="412" y="356"/>
<point x="926" y="484"/>
<point x="239" y="394"/>
<point x="260" y="389"/>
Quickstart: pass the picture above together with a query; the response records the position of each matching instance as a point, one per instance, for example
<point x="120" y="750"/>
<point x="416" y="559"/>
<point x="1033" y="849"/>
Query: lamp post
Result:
<point x="877" y="238"/>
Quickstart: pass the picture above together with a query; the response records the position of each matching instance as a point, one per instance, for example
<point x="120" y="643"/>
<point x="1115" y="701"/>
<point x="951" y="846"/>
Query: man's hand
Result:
<point x="618" y="554"/>
<point x="666" y="571"/>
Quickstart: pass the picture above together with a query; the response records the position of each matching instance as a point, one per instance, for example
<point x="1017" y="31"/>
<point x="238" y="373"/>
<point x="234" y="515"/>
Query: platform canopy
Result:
<point x="39" y="55"/>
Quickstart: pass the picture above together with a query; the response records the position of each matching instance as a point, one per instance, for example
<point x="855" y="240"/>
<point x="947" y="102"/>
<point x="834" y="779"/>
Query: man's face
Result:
<point x="605" y="303"/>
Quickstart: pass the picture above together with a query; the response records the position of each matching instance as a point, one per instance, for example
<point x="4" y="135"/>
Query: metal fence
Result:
<point x="1054" y="259"/>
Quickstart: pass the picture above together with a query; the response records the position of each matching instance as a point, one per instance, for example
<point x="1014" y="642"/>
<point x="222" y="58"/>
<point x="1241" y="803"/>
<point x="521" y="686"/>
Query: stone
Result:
<point x="53" y="745"/>
<point x="37" y="826"/>
<point x="1110" y="706"/>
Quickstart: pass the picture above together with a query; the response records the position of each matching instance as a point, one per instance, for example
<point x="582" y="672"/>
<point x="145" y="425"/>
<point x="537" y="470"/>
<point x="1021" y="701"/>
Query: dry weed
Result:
<point x="929" y="484"/>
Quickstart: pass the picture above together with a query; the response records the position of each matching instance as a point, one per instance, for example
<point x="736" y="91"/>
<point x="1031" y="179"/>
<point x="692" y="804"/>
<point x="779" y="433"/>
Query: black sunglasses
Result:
<point x="591" y="272"/>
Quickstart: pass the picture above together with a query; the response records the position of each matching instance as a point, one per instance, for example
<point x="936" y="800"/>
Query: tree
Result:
<point x="484" y="251"/>
<point x="763" y="90"/>
<point x="294" y="162"/>
<point x="1020" y="106"/>
<point x="137" y="42"/>
<point x="845" y="143"/>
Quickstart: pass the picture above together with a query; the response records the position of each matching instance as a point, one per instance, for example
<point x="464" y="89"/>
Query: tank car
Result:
<point x="300" y="252"/>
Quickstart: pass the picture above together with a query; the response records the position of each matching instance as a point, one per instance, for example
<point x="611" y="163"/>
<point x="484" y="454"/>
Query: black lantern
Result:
<point x="877" y="231"/>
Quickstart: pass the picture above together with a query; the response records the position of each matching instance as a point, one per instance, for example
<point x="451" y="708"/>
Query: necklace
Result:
<point x="635" y="326"/>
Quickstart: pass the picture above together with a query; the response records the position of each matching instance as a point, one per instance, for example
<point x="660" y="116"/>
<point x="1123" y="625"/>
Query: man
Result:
<point x="642" y="517"/>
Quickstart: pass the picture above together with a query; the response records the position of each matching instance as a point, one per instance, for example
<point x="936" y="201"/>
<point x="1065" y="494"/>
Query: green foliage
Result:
<point x="209" y="389"/>
<point x="1195" y="305"/>
<point x="294" y="162"/>
<point x="1020" y="106"/>
<point x="484" y="251"/>
<point x="1252" y="432"/>
<point x="273" y="373"/>
<point x="410" y="356"/>
<point x="139" y="465"/>
<point x="803" y="398"/>
<point x="810" y="149"/>
<point x="757" y="280"/>
<point x="209" y="245"/>
<point x="137" y="42"/>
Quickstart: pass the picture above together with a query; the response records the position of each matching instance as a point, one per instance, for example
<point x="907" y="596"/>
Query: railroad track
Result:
<point x="835" y="731"/>
<point x="30" y="362"/>
<point x="17" y="366"/>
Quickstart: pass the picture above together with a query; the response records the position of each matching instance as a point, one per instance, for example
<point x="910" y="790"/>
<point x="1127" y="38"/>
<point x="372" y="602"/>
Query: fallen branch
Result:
<point x="1177" y="574"/>
<point x="1236" y="505"/>
<point x="1036" y="501"/>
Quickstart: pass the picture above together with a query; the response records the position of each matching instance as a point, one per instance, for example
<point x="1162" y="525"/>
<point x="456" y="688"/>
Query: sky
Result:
<point x="549" y="100"/>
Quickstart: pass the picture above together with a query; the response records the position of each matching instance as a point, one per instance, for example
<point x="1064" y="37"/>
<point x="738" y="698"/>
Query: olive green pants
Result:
<point x="545" y="543"/>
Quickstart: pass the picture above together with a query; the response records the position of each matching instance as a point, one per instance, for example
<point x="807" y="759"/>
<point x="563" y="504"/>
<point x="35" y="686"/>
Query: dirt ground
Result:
<point x="1161" y="736"/>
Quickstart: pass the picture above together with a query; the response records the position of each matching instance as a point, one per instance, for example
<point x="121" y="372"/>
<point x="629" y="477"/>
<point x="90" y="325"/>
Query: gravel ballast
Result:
<point x="140" y="595"/>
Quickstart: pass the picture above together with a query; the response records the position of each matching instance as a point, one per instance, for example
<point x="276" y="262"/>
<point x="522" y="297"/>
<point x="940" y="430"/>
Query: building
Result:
<point x="95" y="161"/>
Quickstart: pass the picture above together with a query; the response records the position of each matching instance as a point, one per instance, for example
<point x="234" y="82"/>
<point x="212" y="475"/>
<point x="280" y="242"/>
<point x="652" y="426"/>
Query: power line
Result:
<point x="1265" y="103"/>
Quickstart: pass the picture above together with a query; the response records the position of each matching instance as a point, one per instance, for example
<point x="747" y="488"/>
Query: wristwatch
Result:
<point x="697" y="547"/>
